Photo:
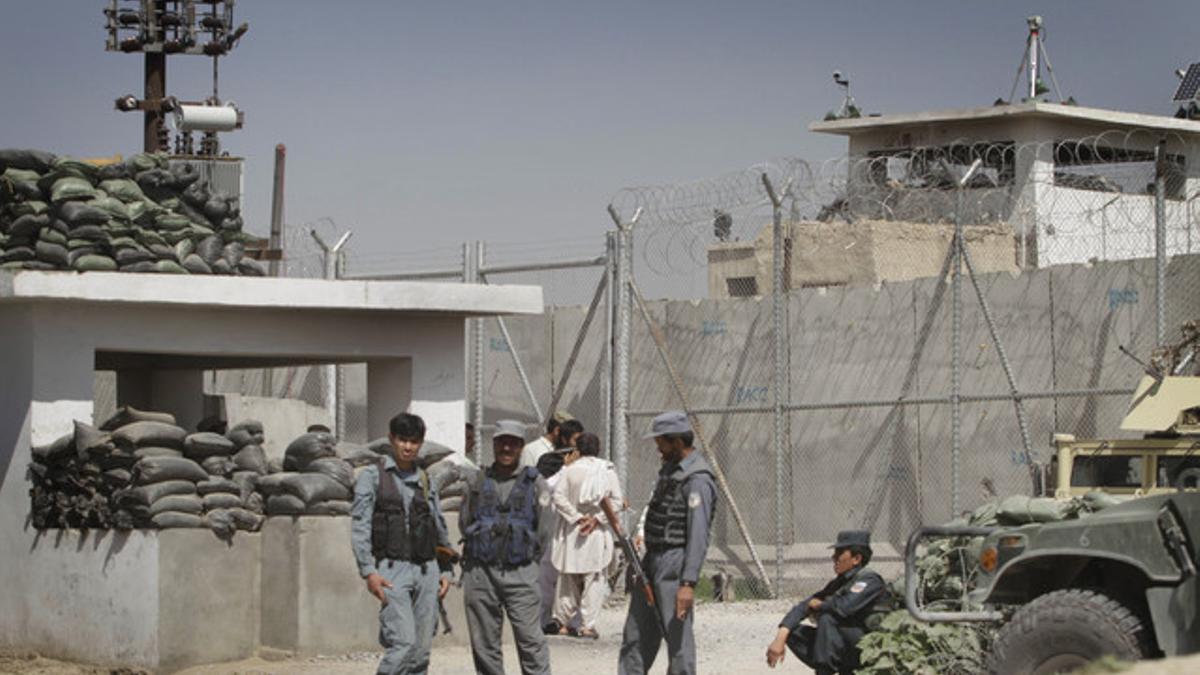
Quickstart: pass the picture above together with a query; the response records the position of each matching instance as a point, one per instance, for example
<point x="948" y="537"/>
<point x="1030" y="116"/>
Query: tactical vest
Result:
<point x="395" y="534"/>
<point x="503" y="534"/>
<point x="666" y="518"/>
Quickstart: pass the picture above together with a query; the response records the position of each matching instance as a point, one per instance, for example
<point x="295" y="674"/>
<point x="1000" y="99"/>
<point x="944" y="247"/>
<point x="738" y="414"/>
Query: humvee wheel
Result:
<point x="1064" y="630"/>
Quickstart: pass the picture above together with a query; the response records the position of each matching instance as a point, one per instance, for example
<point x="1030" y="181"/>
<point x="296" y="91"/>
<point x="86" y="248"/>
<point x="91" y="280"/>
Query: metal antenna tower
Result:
<point x="1030" y="66"/>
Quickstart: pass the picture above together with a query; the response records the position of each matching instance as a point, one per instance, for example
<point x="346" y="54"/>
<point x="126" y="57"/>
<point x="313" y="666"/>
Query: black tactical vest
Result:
<point x="503" y="533"/>
<point x="396" y="535"/>
<point x="666" y="518"/>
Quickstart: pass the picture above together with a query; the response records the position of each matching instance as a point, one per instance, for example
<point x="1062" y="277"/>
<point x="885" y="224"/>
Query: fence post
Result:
<point x="778" y="377"/>
<point x="1160" y="243"/>
<point x="330" y="256"/>
<point x="956" y="355"/>
<point x="622" y="346"/>
<point x="610" y="266"/>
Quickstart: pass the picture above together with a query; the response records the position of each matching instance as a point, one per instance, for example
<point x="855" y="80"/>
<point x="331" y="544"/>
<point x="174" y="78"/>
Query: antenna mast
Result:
<point x="1034" y="48"/>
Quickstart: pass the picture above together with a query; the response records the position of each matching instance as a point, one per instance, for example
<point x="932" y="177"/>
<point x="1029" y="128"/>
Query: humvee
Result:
<point x="1121" y="581"/>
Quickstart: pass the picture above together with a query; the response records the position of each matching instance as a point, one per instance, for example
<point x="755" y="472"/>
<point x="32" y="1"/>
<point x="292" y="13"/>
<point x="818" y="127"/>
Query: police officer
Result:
<point x="395" y="529"/>
<point x="499" y="519"/>
<point x="824" y="629"/>
<point x="678" y="520"/>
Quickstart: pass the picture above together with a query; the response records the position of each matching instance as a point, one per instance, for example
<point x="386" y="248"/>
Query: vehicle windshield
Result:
<point x="1178" y="472"/>
<point x="1112" y="471"/>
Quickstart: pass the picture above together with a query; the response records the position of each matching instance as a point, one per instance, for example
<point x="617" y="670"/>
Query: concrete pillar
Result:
<point x="389" y="391"/>
<point x="438" y="382"/>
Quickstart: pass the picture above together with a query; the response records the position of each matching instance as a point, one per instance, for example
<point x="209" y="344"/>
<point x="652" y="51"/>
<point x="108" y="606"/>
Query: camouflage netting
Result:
<point x="140" y="215"/>
<point x="946" y="572"/>
<point x="139" y="470"/>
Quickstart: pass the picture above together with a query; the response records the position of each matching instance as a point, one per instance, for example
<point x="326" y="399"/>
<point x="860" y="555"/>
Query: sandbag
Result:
<point x="154" y="451"/>
<point x="123" y="189"/>
<point x="55" y="254"/>
<point x="117" y="478"/>
<point x="194" y="264"/>
<point x="148" y="494"/>
<point x="53" y="234"/>
<point x="246" y="481"/>
<point x="315" y="487"/>
<point x="70" y="188"/>
<point x="81" y="213"/>
<point x="254" y="502"/>
<point x="221" y="523"/>
<point x="140" y="434"/>
<point x="209" y="249"/>
<point x="285" y="505"/>
<point x="232" y="253"/>
<point x="246" y="520"/>
<point x="251" y="268"/>
<point x="60" y="449"/>
<point x="169" y="520"/>
<point x="216" y="484"/>
<point x="1021" y="509"/>
<point x="115" y="208"/>
<point x="456" y="489"/>
<point x="162" y="251"/>
<point x="112" y="171"/>
<point x="245" y="433"/>
<point x="92" y="234"/>
<point x="442" y="474"/>
<point x="28" y="160"/>
<point x="142" y="267"/>
<point x="222" y="500"/>
<point x="94" y="263"/>
<point x="168" y="267"/>
<point x="129" y="414"/>
<point x="273" y="484"/>
<point x="328" y="508"/>
<point x="218" y="465"/>
<point x="158" y="469"/>
<point x="75" y="167"/>
<point x="357" y="455"/>
<point x="275" y="465"/>
<point x="251" y="458"/>
<point x="86" y="438"/>
<point x="222" y="267"/>
<point x="306" y="448"/>
<point x="181" y="503"/>
<point x="337" y="469"/>
<point x="18" y="254"/>
<point x="127" y="257"/>
<point x="205" y="444"/>
<point x="450" y="504"/>
<point x="28" y="226"/>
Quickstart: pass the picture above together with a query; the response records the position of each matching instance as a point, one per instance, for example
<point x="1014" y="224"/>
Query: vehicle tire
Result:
<point x="1065" y="630"/>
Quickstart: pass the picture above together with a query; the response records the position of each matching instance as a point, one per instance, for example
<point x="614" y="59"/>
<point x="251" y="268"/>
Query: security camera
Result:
<point x="1035" y="22"/>
<point x="840" y="79"/>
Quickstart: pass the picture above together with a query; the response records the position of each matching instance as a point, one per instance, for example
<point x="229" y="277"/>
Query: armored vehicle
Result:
<point x="1120" y="581"/>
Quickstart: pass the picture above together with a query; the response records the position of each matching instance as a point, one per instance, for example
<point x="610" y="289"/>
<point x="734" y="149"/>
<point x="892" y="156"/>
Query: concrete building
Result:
<point x="164" y="599"/>
<point x="1058" y="184"/>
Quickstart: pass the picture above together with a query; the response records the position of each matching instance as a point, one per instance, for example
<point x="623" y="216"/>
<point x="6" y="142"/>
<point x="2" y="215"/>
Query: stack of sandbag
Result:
<point x="233" y="461"/>
<point x="314" y="480"/>
<point x="140" y="215"/>
<point x="73" y="479"/>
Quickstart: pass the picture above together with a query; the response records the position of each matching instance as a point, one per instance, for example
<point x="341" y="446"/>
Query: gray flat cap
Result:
<point x="670" y="422"/>
<point x="509" y="428"/>
<point x="848" y="538"/>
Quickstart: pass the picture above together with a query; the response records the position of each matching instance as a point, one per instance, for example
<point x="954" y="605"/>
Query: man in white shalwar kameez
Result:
<point x="583" y="545"/>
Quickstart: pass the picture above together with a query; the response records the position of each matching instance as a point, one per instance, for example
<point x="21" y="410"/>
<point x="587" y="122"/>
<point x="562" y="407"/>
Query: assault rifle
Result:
<point x="635" y="563"/>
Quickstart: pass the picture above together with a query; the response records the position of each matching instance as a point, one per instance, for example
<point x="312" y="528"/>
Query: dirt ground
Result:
<point x="731" y="639"/>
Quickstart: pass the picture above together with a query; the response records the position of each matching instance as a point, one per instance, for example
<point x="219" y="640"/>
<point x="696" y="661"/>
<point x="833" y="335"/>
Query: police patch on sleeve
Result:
<point x="858" y="587"/>
<point x="694" y="500"/>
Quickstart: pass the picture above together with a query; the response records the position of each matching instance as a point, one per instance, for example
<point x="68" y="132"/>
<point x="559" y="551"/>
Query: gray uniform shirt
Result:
<point x="365" y="489"/>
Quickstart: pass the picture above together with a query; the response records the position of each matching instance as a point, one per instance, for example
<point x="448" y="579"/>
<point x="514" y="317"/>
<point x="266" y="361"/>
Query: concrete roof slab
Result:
<point x="270" y="293"/>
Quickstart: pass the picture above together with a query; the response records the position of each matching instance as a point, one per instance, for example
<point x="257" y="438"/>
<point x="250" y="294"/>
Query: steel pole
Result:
<point x="778" y="295"/>
<point x="1160" y="244"/>
<point x="477" y="363"/>
<point x="956" y="357"/>
<point x="610" y="255"/>
<point x="622" y="350"/>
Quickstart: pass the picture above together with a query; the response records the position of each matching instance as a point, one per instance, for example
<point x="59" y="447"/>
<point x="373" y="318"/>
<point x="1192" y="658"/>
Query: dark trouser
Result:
<point x="489" y="593"/>
<point x="828" y="648"/>
<point x="642" y="635"/>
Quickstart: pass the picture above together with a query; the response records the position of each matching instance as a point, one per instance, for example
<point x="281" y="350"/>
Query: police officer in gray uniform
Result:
<point x="823" y="630"/>
<point x="676" y="535"/>
<point x="499" y="520"/>
<point x="395" y="529"/>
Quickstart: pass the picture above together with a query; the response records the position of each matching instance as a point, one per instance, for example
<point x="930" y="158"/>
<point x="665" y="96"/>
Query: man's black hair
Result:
<point x="568" y="429"/>
<point x="686" y="436"/>
<point x="470" y="426"/>
<point x="864" y="551"/>
<point x="588" y="445"/>
<point x="551" y="425"/>
<point x="407" y="426"/>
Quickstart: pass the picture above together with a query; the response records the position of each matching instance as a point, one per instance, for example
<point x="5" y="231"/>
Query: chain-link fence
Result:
<point x="893" y="381"/>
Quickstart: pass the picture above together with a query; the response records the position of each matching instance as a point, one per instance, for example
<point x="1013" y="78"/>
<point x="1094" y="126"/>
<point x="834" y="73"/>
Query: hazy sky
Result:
<point x="421" y="125"/>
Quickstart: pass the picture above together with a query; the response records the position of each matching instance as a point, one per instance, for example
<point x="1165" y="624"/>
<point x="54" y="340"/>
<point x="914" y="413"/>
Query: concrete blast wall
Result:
<point x="884" y="467"/>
